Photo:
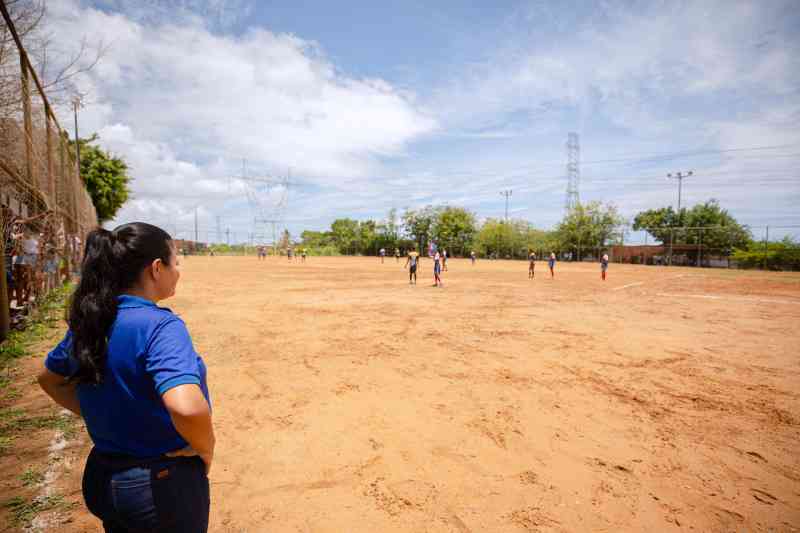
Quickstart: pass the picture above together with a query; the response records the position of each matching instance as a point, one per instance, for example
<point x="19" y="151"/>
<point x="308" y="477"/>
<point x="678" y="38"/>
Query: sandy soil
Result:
<point x="346" y="400"/>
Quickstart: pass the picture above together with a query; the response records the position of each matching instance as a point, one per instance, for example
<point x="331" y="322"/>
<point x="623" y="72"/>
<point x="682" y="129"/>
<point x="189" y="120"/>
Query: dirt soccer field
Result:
<point x="346" y="400"/>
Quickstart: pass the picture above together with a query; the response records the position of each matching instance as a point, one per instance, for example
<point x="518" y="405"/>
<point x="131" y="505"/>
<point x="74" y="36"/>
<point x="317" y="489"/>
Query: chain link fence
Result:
<point x="767" y="247"/>
<point x="46" y="210"/>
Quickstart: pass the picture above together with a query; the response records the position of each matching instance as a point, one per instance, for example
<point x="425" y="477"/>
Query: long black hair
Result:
<point x="113" y="261"/>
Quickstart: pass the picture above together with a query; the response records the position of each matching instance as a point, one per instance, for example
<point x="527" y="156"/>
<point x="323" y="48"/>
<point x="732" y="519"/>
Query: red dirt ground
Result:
<point x="663" y="399"/>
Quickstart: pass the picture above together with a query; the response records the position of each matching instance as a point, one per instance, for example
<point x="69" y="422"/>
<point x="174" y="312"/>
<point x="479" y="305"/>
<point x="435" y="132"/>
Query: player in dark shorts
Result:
<point x="397" y="255"/>
<point x="603" y="266"/>
<point x="552" y="264"/>
<point x="437" y="270"/>
<point x="531" y="265"/>
<point x="411" y="262"/>
<point x="444" y="260"/>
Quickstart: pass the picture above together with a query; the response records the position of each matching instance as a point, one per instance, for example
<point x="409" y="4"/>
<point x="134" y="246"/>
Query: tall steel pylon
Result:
<point x="573" y="171"/>
<point x="268" y="198"/>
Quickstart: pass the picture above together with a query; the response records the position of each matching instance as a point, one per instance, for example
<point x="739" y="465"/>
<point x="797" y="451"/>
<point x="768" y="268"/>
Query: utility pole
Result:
<point x="228" y="234"/>
<point x="196" y="236"/>
<point x="507" y="193"/>
<point x="76" y="103"/>
<point x="680" y="176"/>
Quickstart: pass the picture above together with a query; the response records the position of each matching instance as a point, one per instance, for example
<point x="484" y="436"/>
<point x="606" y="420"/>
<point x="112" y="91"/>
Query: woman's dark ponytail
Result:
<point x="113" y="261"/>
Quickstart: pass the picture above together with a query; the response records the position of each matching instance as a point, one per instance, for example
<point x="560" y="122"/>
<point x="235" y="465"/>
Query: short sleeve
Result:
<point x="60" y="361"/>
<point x="170" y="358"/>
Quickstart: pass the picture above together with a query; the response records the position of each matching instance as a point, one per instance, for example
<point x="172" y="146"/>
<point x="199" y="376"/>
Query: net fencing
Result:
<point x="41" y="192"/>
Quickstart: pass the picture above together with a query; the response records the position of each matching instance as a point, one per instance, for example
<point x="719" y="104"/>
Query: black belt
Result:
<point x="124" y="462"/>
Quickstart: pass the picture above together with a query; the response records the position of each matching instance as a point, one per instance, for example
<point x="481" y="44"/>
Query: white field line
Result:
<point x="732" y="298"/>
<point x="636" y="284"/>
<point x="628" y="285"/>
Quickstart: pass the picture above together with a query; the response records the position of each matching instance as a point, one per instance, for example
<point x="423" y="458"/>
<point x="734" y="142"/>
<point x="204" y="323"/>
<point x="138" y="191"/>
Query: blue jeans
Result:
<point x="150" y="495"/>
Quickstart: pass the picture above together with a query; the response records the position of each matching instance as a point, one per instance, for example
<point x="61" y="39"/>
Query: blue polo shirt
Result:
<point x="149" y="352"/>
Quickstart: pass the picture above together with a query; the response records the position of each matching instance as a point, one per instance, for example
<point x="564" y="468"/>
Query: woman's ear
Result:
<point x="155" y="269"/>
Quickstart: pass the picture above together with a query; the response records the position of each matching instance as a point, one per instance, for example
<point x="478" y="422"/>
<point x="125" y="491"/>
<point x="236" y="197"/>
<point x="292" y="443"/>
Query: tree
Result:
<point x="316" y="239"/>
<point x="57" y="72"/>
<point x="588" y="227"/>
<point x="721" y="232"/>
<point x="419" y="224"/>
<point x="106" y="178"/>
<point x="659" y="223"/>
<point x="780" y="255"/>
<point x="454" y="229"/>
<point x="494" y="238"/>
<point x="705" y="224"/>
<point x="345" y="234"/>
<point x="367" y="237"/>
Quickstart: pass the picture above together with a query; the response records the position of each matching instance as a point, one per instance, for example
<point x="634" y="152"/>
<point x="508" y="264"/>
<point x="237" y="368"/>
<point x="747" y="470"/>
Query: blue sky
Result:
<point x="374" y="105"/>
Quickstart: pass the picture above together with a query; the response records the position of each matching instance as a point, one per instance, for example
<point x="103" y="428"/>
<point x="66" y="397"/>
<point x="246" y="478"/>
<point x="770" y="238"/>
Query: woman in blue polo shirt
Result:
<point x="129" y="369"/>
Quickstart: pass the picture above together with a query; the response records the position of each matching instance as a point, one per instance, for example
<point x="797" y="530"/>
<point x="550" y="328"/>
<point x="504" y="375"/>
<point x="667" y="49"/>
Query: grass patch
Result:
<point x="38" y="326"/>
<point x="31" y="477"/>
<point x="11" y="394"/>
<point x="14" y="421"/>
<point x="23" y="511"/>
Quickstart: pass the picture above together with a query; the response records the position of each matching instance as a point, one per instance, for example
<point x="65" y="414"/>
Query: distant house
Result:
<point x="191" y="247"/>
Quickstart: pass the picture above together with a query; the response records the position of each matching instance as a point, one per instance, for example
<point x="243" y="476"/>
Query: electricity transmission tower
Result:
<point x="269" y="200"/>
<point x="507" y="194"/>
<point x="573" y="171"/>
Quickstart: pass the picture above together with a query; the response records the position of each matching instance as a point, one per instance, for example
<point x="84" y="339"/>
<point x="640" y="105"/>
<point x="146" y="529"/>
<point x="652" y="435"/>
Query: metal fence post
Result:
<point x="700" y="249"/>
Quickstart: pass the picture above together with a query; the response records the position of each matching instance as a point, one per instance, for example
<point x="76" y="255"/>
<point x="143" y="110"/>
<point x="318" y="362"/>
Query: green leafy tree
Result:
<point x="319" y="242"/>
<point x="780" y="255"/>
<point x="588" y="227"/>
<point x="345" y="234"/>
<point x="495" y="238"/>
<point x="454" y="229"/>
<point x="106" y="178"/>
<point x="659" y="223"/>
<point x="721" y="232"/>
<point x="419" y="224"/>
<point x="707" y="224"/>
<point x="367" y="237"/>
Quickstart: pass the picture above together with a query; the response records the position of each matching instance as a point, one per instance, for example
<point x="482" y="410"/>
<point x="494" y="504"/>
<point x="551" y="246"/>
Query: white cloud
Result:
<point x="174" y="96"/>
<point x="184" y="102"/>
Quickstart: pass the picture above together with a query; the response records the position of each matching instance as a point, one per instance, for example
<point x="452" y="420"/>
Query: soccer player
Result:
<point x="303" y="255"/>
<point x="382" y="254"/>
<point x="603" y="266"/>
<point x="411" y="263"/>
<point x="397" y="255"/>
<point x="472" y="256"/>
<point x="444" y="259"/>
<point x="437" y="270"/>
<point x="552" y="264"/>
<point x="531" y="265"/>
